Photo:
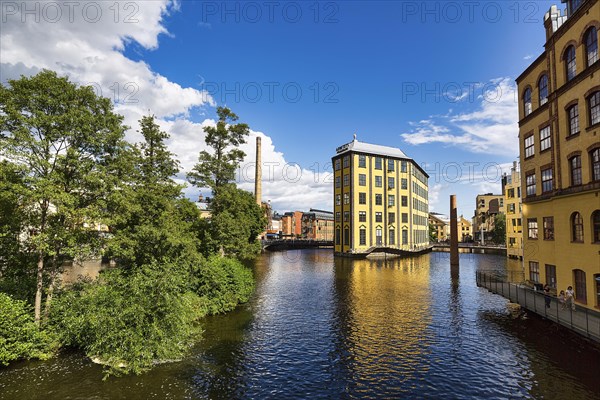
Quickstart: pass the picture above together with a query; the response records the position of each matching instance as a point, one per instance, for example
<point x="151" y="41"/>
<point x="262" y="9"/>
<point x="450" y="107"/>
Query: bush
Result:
<point x="20" y="337"/>
<point x="129" y="322"/>
<point x="224" y="283"/>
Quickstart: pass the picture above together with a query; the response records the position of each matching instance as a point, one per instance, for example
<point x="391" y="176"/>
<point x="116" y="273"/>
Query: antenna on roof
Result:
<point x="355" y="137"/>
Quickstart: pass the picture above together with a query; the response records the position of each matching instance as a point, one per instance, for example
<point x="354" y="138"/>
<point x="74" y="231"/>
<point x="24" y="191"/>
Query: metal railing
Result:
<point x="573" y="316"/>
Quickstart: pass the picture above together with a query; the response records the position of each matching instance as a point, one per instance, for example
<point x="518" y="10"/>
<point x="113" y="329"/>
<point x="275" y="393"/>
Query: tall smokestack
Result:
<point x="258" y="174"/>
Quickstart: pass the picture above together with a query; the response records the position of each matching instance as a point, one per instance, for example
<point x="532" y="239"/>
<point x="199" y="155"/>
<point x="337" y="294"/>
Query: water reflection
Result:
<point x="319" y="327"/>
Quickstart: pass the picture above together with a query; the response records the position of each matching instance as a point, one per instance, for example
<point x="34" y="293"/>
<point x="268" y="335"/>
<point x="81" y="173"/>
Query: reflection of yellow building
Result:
<point x="511" y="189"/>
<point x="559" y="137"/>
<point x="380" y="199"/>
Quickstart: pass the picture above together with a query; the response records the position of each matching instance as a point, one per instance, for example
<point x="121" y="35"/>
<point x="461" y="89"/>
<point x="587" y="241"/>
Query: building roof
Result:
<point x="362" y="147"/>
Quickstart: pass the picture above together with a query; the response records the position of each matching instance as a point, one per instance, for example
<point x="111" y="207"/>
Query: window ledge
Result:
<point x="573" y="136"/>
<point x="577" y="242"/>
<point x="592" y="127"/>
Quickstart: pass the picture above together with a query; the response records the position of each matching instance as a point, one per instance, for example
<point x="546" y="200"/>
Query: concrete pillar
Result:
<point x="453" y="231"/>
<point x="258" y="174"/>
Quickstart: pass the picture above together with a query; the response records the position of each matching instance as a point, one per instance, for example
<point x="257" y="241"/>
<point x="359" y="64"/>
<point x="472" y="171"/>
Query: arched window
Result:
<point x="575" y="164"/>
<point x="595" y="158"/>
<point x="543" y="89"/>
<point x="591" y="45"/>
<point x="527" y="102"/>
<point x="576" y="227"/>
<point x="596" y="226"/>
<point x="594" y="107"/>
<point x="570" y="63"/>
<point x="580" y="287"/>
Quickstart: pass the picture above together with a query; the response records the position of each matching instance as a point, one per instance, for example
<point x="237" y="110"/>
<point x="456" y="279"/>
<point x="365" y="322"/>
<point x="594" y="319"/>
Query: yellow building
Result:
<point x="465" y="230"/>
<point x="441" y="226"/>
<point x="380" y="200"/>
<point x="559" y="136"/>
<point x="487" y="206"/>
<point x="511" y="189"/>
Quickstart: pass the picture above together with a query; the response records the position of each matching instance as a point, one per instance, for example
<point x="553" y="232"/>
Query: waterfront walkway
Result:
<point x="583" y="320"/>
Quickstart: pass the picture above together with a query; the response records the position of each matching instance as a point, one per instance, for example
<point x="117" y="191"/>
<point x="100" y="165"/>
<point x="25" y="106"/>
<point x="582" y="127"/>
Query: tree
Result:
<point x="499" y="232"/>
<point x="216" y="169"/>
<point x="432" y="233"/>
<point x="66" y="140"/>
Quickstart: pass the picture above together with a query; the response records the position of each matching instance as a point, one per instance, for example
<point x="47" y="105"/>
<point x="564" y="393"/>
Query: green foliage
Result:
<point x="216" y="169"/>
<point x="432" y="233"/>
<point x="130" y="321"/>
<point x="499" y="232"/>
<point x="235" y="223"/>
<point x="20" y="337"/>
<point x="224" y="283"/>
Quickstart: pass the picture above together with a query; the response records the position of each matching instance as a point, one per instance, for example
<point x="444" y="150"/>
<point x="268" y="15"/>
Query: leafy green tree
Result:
<point x="216" y="169"/>
<point x="432" y="233"/>
<point x="499" y="232"/>
<point x="65" y="139"/>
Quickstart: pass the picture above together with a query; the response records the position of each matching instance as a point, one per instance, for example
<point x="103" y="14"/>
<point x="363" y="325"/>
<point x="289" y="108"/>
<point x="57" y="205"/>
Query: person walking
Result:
<point x="561" y="300"/>
<point x="547" y="298"/>
<point x="570" y="297"/>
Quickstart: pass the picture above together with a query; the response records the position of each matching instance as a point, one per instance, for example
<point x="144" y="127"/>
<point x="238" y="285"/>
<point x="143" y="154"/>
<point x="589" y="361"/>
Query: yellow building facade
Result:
<point x="511" y="189"/>
<point x="487" y="206"/>
<point x="380" y="200"/>
<point x="559" y="136"/>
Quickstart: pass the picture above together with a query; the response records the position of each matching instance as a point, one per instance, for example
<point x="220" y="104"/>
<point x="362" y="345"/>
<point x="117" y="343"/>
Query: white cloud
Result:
<point x="491" y="128"/>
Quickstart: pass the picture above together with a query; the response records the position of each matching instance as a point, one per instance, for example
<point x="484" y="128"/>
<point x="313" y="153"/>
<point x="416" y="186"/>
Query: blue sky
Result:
<point x="435" y="79"/>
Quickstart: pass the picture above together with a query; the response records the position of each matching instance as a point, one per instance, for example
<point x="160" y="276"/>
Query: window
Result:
<point x="404" y="236"/>
<point x="392" y="240"/>
<point x="597" y="280"/>
<point x="338" y="235"/>
<point x="337" y="181"/>
<point x="337" y="216"/>
<point x="346" y="198"/>
<point x="530" y="184"/>
<point x="543" y="89"/>
<point x="405" y="218"/>
<point x="576" y="227"/>
<point x="362" y="216"/>
<point x="378" y="236"/>
<point x="575" y="165"/>
<point x="377" y="162"/>
<point x="392" y="218"/>
<point x="346" y="216"/>
<point x="529" y="146"/>
<point x="391" y="182"/>
<point x="511" y="193"/>
<point x="545" y="139"/>
<point x="532" y="228"/>
<point x="595" y="158"/>
<point x="346" y="161"/>
<point x="572" y="6"/>
<point x="404" y="183"/>
<point x="346" y="180"/>
<point x="404" y="201"/>
<point x="362" y="198"/>
<point x="546" y="180"/>
<point x="534" y="271"/>
<point x="347" y="235"/>
<point x="580" y="287"/>
<point x="362" y="237"/>
<point x="391" y="200"/>
<point x="362" y="180"/>
<point x="390" y="165"/>
<point x="551" y="275"/>
<point x="594" y="106"/>
<point x="591" y="45"/>
<point x="338" y="165"/>
<point x="378" y="217"/>
<point x="573" y="114"/>
<point x="378" y="181"/>
<point x="548" y="228"/>
<point x="338" y="199"/>
<point x="570" y="64"/>
<point x="527" y="102"/>
<point x="378" y="199"/>
<point x="362" y="161"/>
<point x="596" y="226"/>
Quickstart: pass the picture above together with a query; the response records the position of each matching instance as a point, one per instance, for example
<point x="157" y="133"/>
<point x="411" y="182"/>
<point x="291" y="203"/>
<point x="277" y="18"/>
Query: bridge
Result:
<point x="285" y="244"/>
<point x="471" y="248"/>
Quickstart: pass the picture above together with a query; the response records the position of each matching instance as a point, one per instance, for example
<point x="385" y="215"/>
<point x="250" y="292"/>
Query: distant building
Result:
<point x="291" y="225"/>
<point x="380" y="200"/>
<point x="203" y="205"/>
<point x="559" y="139"/>
<point x="487" y="206"/>
<point x="511" y="189"/>
<point x="465" y="230"/>
<point x="317" y="225"/>
<point x="441" y="226"/>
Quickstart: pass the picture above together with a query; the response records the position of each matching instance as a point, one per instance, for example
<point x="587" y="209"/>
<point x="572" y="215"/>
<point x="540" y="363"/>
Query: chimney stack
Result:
<point x="258" y="174"/>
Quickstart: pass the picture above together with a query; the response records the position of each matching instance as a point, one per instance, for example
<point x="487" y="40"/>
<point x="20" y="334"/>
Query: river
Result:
<point x="319" y="327"/>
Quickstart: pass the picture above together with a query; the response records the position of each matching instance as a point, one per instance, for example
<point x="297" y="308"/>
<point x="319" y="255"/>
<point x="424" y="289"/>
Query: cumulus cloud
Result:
<point x="484" y="130"/>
